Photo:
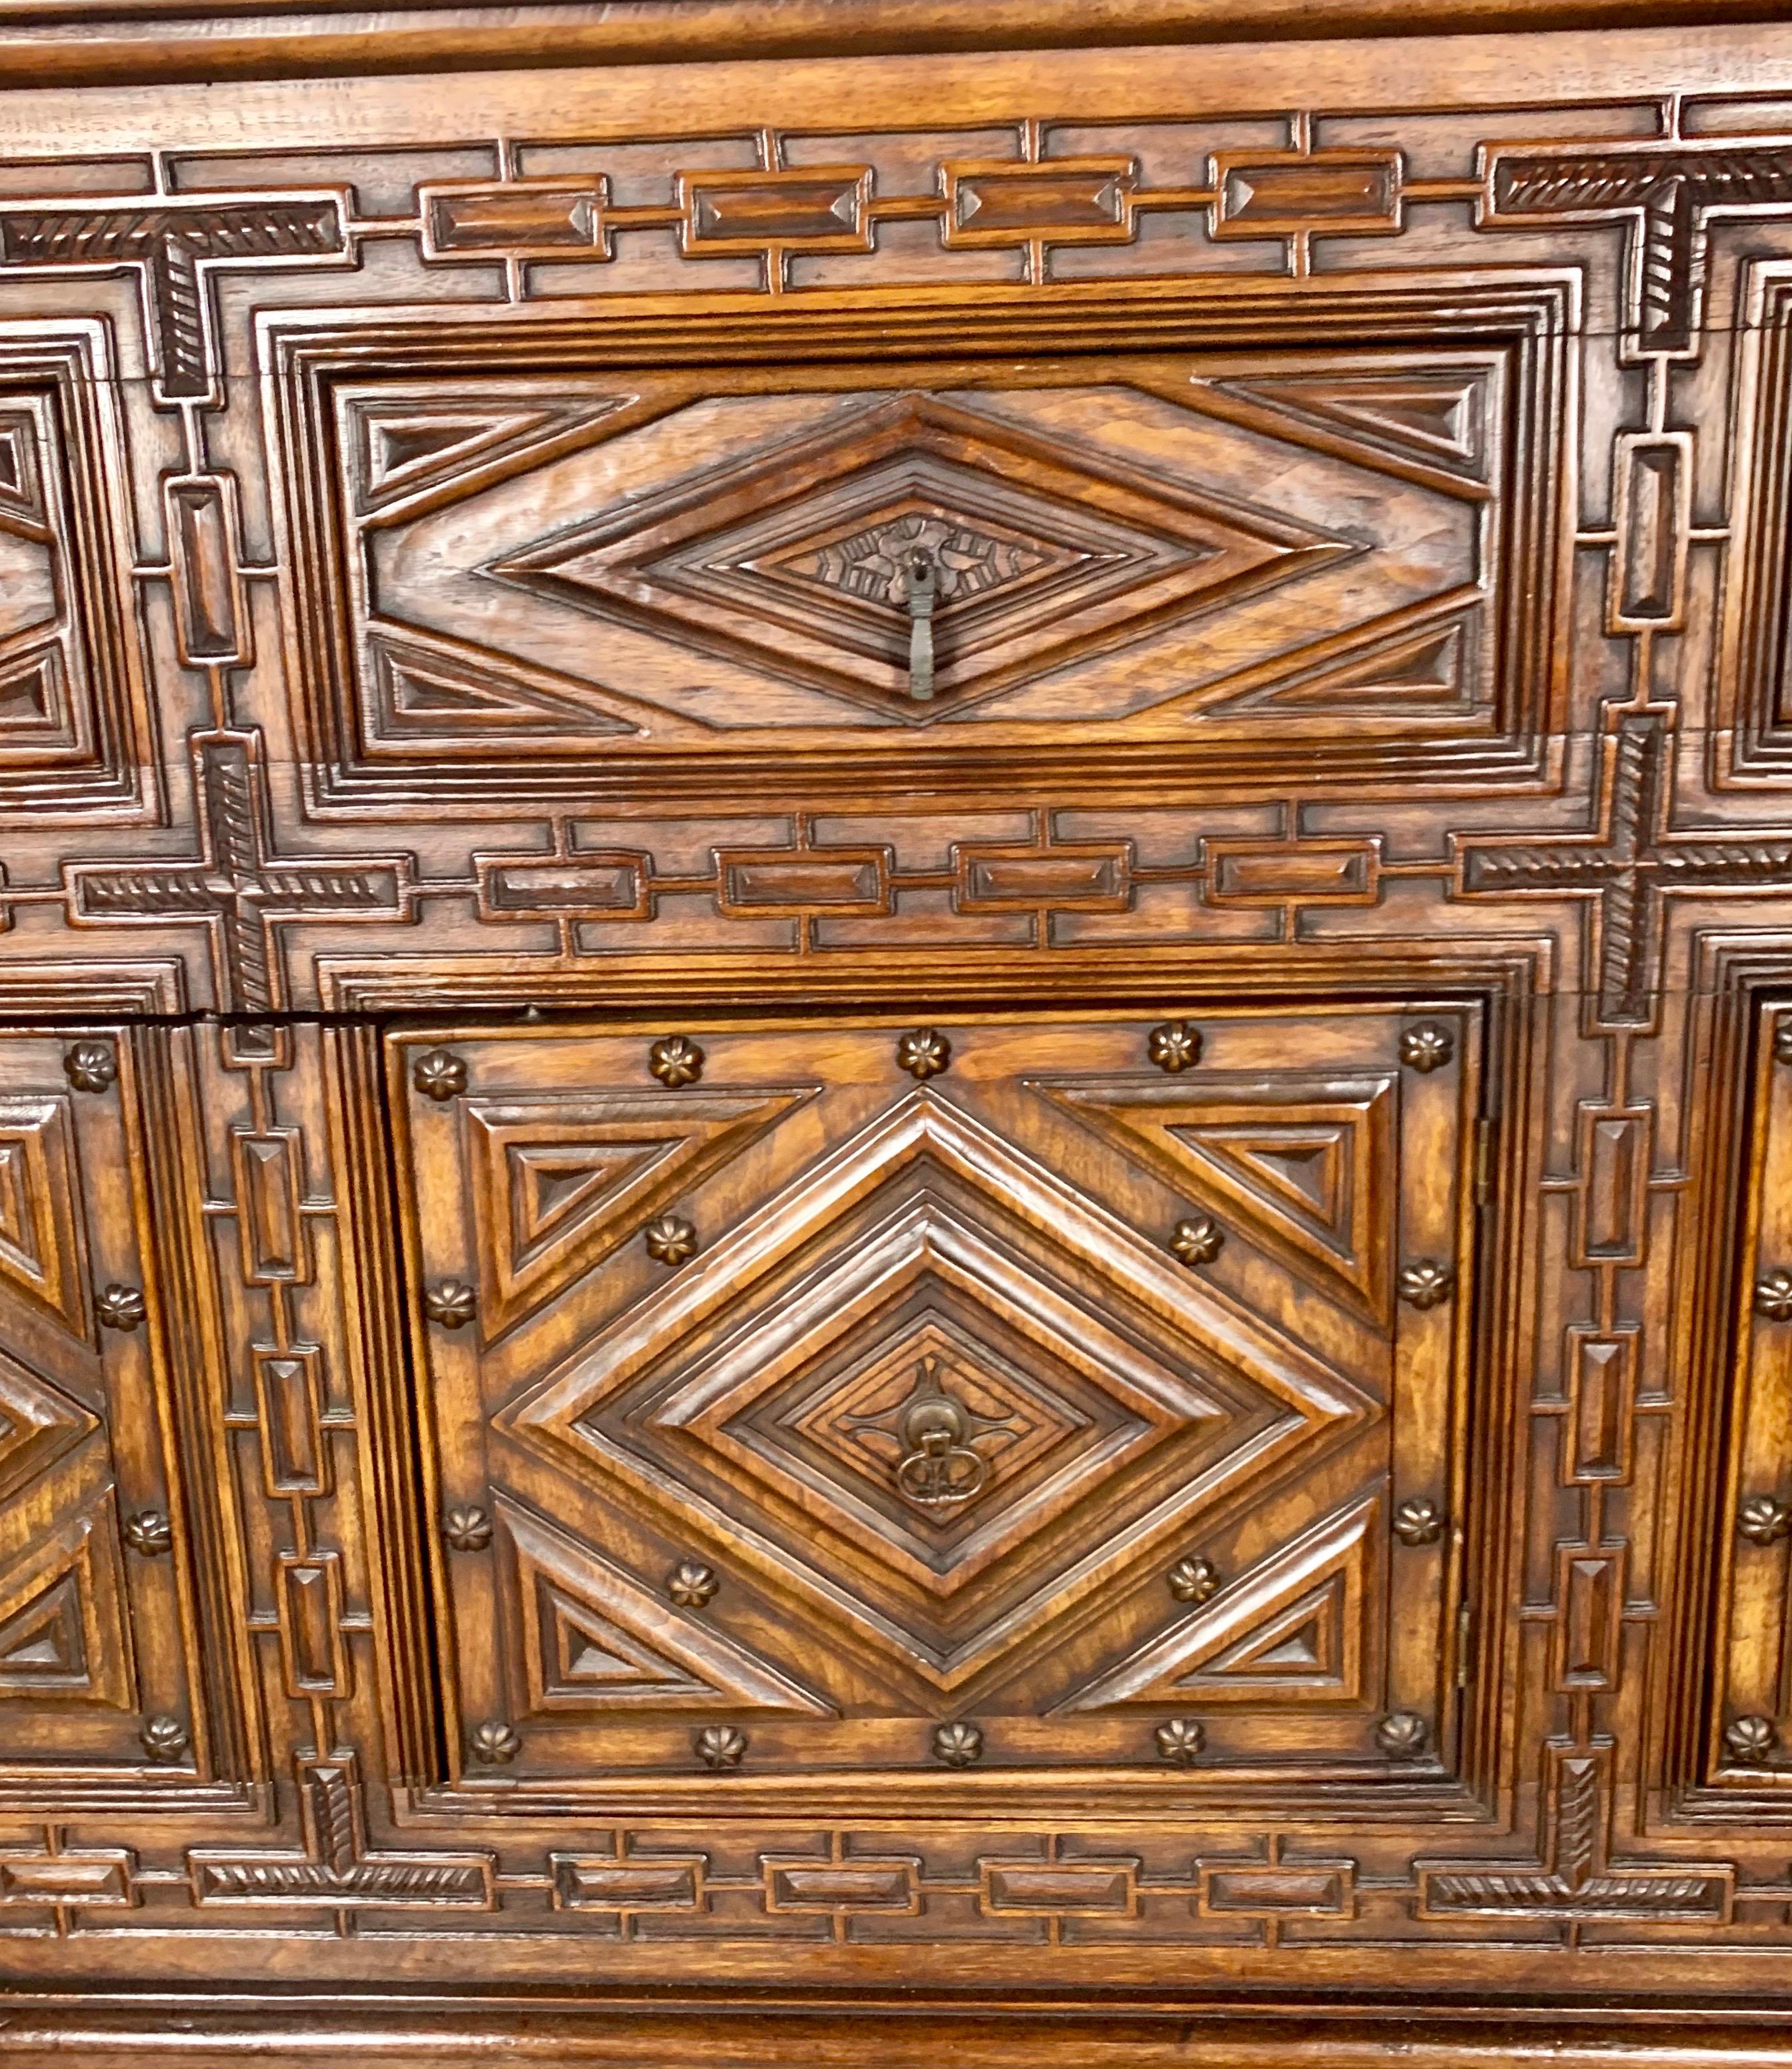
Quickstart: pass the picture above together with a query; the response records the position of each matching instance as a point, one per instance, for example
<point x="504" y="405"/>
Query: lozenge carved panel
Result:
<point x="1035" y="1395"/>
<point x="641" y="583"/>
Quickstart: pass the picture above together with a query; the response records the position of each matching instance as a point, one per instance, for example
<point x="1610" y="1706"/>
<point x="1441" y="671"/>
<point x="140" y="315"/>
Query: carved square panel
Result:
<point x="819" y="555"/>
<point x="104" y="1690"/>
<point x="1048" y="1393"/>
<point x="74" y="726"/>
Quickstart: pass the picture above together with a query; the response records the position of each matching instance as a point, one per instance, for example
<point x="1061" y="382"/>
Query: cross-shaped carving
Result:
<point x="239" y="889"/>
<point x="335" y="1866"/>
<point x="1581" y="1881"/>
<point x="1628" y="868"/>
<point x="1668" y="193"/>
<point x="175" y="245"/>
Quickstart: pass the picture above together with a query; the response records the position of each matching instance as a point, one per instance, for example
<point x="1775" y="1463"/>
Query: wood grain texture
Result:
<point x="895" y="955"/>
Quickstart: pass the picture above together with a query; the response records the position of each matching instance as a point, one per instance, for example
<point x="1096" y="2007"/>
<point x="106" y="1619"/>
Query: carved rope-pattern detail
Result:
<point x="237" y="885"/>
<point x="1672" y="198"/>
<point x="1631" y="869"/>
<point x="171" y="243"/>
<point x="341" y="1867"/>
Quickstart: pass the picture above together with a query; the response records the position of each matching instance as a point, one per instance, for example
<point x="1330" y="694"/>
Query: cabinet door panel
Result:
<point x="1057" y="1394"/>
<point x="100" y="1680"/>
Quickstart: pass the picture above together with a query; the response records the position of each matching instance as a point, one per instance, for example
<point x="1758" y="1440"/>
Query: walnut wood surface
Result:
<point x="733" y="1263"/>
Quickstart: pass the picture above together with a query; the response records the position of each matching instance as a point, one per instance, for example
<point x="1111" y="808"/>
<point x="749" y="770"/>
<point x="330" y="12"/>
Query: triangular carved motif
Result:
<point x="38" y="1424"/>
<point x="406" y="448"/>
<point x="1439" y="418"/>
<point x="62" y="1631"/>
<point x="587" y="1650"/>
<point x="559" y="1183"/>
<point x="34" y="690"/>
<point x="1289" y="1628"/>
<point x="40" y="1240"/>
<point x="1305" y="1165"/>
<point x="21" y="496"/>
<point x="42" y="1644"/>
<point x="594" y="1638"/>
<point x="430" y="690"/>
<point x="1431" y="668"/>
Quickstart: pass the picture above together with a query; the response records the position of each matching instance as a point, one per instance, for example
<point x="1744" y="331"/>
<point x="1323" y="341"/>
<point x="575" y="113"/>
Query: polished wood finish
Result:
<point x="896" y="1034"/>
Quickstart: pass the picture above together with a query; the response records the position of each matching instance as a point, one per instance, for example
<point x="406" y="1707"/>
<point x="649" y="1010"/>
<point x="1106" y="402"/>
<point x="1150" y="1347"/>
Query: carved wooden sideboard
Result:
<point x="896" y="1033"/>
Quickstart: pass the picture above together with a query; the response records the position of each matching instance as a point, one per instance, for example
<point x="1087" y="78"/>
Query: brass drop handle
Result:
<point x="920" y="580"/>
<point x="939" y="1469"/>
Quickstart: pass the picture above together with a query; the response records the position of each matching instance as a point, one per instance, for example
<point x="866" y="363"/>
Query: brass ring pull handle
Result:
<point x="939" y="1469"/>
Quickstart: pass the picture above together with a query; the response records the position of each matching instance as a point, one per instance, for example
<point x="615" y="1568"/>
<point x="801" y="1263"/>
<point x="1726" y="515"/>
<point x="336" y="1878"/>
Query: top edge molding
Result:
<point x="73" y="43"/>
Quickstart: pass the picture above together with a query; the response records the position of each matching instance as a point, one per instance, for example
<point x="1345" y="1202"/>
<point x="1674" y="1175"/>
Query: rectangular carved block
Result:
<point x="519" y="219"/>
<point x="766" y="884"/>
<point x="1095" y="877"/>
<point x="211" y="611"/>
<point x="993" y="205"/>
<point x="819" y="210"/>
<point x="609" y="885"/>
<point x="1279" y="193"/>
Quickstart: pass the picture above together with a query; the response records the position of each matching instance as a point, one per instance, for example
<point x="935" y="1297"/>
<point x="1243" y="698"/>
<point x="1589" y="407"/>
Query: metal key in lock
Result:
<point x="920" y="575"/>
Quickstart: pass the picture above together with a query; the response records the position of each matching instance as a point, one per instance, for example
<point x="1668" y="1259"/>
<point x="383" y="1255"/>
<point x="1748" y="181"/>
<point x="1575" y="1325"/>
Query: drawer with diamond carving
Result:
<point x="826" y="550"/>
<point x="1005" y="1399"/>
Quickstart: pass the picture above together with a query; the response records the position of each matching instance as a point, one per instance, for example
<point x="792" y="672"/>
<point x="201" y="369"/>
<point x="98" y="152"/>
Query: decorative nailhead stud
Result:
<point x="439" y="1074"/>
<point x="120" y="1306"/>
<point x="149" y="1533"/>
<point x="676" y="1061"/>
<point x="670" y="1240"/>
<point x="691" y="1584"/>
<point x="1174" y="1046"/>
<point x="1418" y="1521"/>
<point x="90" y="1067"/>
<point x="451" y="1303"/>
<point x="1181" y="1741"/>
<point x="496" y="1743"/>
<point x="1427" y="1048"/>
<point x="1198" y="1240"/>
<point x="720" y="1746"/>
<point x="466" y="1529"/>
<point x="1195" y="1579"/>
<point x="924" y="1053"/>
<point x="1426" y="1283"/>
<point x="958" y="1745"/>
<point x="1402" y="1734"/>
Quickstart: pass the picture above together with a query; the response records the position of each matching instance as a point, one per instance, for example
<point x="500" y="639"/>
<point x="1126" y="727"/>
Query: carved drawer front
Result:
<point x="98" y="1687"/>
<point x="804" y="1399"/>
<point x="651" y="580"/>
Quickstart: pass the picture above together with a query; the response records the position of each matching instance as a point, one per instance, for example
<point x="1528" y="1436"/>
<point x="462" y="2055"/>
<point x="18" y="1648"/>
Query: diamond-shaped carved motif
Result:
<point x="788" y="559"/>
<point x="769" y="1395"/>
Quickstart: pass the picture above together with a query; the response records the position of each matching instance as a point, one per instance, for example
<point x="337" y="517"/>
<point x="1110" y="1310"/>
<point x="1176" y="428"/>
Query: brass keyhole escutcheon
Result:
<point x="939" y="1469"/>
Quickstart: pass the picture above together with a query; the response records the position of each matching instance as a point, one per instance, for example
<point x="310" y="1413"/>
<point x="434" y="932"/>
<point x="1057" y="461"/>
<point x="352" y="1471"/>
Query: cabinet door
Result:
<point x="98" y="1674"/>
<point x="813" y="1400"/>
